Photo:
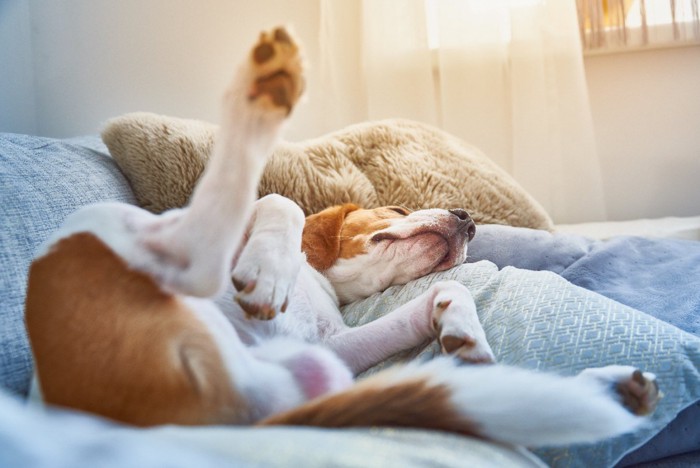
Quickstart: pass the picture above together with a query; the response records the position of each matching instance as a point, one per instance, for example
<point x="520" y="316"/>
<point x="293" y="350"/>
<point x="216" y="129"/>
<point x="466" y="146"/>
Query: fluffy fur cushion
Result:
<point x="391" y="162"/>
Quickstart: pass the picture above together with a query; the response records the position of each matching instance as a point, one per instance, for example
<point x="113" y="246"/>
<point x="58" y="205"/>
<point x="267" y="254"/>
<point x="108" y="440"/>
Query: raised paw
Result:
<point x="638" y="391"/>
<point x="277" y="71"/>
<point x="459" y="331"/>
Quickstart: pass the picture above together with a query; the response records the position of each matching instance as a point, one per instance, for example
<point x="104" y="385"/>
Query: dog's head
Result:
<point x="365" y="251"/>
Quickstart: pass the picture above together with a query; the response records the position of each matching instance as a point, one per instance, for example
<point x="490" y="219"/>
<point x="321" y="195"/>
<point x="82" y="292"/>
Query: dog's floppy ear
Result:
<point x="321" y="238"/>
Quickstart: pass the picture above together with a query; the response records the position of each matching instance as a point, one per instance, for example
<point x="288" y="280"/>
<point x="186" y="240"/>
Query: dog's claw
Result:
<point x="245" y="287"/>
<point x="442" y="305"/>
<point x="262" y="312"/>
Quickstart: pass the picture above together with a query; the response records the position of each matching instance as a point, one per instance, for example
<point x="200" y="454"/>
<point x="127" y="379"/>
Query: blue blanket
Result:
<point x="658" y="276"/>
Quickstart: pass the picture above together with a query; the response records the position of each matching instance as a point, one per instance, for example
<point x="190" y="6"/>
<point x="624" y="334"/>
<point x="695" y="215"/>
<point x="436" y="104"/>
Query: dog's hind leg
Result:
<point x="191" y="251"/>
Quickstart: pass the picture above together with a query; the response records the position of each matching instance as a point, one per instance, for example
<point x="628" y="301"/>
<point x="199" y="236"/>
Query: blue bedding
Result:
<point x="658" y="276"/>
<point x="538" y="320"/>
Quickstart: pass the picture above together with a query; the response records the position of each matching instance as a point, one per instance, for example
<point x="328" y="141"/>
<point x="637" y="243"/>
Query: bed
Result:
<point x="560" y="300"/>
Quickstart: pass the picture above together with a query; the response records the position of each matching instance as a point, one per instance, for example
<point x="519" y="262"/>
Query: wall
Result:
<point x="95" y="60"/>
<point x="69" y="65"/>
<point x="646" y="112"/>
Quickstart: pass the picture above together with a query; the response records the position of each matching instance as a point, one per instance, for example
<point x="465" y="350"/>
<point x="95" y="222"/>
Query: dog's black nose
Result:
<point x="469" y="223"/>
<point x="471" y="230"/>
<point x="460" y="213"/>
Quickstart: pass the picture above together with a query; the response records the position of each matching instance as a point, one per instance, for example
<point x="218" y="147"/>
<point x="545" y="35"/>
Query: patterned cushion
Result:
<point x="538" y="320"/>
<point x="42" y="181"/>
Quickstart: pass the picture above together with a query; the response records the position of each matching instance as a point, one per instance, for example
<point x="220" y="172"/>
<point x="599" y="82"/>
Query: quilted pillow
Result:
<point x="391" y="162"/>
<point x="538" y="320"/>
<point x="42" y="181"/>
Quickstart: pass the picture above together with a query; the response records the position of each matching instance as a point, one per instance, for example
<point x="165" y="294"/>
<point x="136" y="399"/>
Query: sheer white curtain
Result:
<point x="504" y="75"/>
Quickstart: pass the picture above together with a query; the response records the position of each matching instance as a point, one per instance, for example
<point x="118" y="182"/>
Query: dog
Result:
<point x="128" y="315"/>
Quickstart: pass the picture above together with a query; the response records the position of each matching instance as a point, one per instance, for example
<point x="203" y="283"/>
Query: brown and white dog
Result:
<point x="127" y="315"/>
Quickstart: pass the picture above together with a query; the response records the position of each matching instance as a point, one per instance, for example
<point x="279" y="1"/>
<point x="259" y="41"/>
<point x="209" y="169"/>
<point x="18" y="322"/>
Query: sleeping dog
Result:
<point x="127" y="318"/>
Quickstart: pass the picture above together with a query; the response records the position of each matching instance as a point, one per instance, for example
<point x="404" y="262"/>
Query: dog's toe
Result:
<point x="467" y="349"/>
<point x="640" y="392"/>
<point x="242" y="285"/>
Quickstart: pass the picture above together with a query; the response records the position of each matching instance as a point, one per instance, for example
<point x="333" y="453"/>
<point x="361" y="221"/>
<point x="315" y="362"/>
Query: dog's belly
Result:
<point x="312" y="314"/>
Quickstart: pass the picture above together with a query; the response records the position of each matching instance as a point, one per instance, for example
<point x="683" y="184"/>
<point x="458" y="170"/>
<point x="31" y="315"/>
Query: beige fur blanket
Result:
<point x="391" y="162"/>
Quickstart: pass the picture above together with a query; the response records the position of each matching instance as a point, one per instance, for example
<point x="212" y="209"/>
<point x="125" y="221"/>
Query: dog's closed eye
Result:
<point x="400" y="210"/>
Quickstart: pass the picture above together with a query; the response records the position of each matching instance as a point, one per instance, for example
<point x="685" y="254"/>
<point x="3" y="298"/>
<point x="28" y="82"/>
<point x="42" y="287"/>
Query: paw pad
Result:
<point x="263" y="52"/>
<point x="451" y="344"/>
<point x="277" y="69"/>
<point x="640" y="393"/>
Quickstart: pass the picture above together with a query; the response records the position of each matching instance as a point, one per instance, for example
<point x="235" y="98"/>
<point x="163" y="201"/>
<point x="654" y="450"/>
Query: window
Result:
<point x="617" y="25"/>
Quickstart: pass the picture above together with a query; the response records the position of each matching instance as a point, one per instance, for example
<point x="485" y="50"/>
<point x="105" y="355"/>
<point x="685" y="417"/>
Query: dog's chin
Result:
<point x="445" y="251"/>
<point x="440" y="257"/>
<point x="452" y="258"/>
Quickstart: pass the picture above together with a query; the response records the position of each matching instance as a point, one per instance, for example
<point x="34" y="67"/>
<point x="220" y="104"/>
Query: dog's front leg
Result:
<point x="193" y="248"/>
<point x="267" y="266"/>
<point x="446" y="311"/>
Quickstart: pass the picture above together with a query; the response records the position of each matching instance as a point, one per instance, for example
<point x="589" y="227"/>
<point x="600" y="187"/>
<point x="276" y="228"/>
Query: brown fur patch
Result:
<point x="359" y="226"/>
<point x="342" y="232"/>
<point x="321" y="238"/>
<point x="107" y="340"/>
<point x="414" y="403"/>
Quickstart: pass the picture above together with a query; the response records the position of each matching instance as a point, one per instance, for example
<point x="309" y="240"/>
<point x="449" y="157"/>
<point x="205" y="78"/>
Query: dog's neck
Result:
<point x="326" y="285"/>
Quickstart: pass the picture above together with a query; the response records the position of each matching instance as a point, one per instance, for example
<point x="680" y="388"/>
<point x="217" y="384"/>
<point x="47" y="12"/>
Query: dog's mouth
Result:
<point x="453" y="244"/>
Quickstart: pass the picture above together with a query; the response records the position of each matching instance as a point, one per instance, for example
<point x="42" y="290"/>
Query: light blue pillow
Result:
<point x="538" y="320"/>
<point x="42" y="180"/>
